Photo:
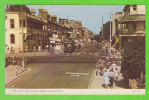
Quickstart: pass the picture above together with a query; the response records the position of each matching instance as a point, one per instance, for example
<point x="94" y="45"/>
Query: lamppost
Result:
<point x="102" y="32"/>
<point x="110" y="34"/>
<point x="102" y="35"/>
<point x="22" y="38"/>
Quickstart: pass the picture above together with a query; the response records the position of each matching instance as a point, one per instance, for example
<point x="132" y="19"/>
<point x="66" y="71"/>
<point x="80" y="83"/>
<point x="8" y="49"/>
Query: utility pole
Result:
<point x="102" y="31"/>
<point x="110" y="33"/>
<point x="22" y="39"/>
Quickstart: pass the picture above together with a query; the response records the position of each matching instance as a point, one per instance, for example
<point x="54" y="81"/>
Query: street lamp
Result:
<point x="110" y="34"/>
<point x="22" y="39"/>
<point x="102" y="35"/>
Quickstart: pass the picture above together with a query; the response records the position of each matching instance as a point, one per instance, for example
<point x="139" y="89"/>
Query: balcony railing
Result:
<point x="30" y="30"/>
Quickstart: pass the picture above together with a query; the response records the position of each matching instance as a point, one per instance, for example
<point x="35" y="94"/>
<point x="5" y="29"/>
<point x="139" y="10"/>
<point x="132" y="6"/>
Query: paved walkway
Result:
<point x="10" y="73"/>
<point x="97" y="82"/>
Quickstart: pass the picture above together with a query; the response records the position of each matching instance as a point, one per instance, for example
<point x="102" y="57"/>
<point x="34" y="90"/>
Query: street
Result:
<point x="60" y="71"/>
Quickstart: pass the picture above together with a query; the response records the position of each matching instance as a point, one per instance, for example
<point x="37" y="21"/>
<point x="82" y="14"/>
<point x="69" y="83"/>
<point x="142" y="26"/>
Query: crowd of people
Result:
<point x="109" y="72"/>
<point x="107" y="68"/>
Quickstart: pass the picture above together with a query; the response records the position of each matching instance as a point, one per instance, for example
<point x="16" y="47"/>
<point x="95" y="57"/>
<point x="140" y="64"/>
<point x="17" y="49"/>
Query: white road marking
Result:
<point x="83" y="51"/>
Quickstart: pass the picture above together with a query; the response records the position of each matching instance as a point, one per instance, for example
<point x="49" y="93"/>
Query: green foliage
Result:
<point x="97" y="38"/>
<point x="106" y="31"/>
<point x="133" y="57"/>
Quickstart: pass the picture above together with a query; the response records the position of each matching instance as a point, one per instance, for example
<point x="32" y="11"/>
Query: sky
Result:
<point x="89" y="15"/>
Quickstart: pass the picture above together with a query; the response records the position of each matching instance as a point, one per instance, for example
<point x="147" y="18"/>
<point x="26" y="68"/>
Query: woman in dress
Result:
<point x="113" y="66"/>
<point x="106" y="78"/>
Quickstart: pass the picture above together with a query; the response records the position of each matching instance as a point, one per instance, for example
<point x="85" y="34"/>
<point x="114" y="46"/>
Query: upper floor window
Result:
<point x="134" y="26"/>
<point x="12" y="38"/>
<point x="134" y="7"/>
<point x="23" y="23"/>
<point x="125" y="26"/>
<point x="11" y="23"/>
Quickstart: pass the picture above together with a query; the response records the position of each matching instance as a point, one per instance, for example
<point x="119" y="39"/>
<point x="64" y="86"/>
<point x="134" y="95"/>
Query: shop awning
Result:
<point x="53" y="39"/>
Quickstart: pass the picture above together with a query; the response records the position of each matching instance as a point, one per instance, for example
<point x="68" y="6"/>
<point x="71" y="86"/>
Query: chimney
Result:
<point x="45" y="13"/>
<point x="54" y="18"/>
<point x="40" y="12"/>
<point x="33" y="11"/>
<point x="48" y="16"/>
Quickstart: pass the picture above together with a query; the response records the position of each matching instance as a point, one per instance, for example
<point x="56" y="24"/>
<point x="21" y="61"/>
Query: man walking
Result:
<point x="111" y="76"/>
<point x="102" y="66"/>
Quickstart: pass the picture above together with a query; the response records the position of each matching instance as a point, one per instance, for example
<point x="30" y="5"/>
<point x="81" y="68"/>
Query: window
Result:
<point x="134" y="7"/>
<point x="23" y="23"/>
<point x="125" y="26"/>
<point x="11" y="23"/>
<point x="134" y="26"/>
<point x="12" y="38"/>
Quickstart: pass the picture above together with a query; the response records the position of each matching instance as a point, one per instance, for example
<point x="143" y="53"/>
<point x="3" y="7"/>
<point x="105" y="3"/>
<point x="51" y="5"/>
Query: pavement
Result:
<point x="96" y="81"/>
<point x="11" y="74"/>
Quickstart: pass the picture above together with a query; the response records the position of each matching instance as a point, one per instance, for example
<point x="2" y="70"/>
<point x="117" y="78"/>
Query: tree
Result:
<point x="133" y="58"/>
<point x="106" y="31"/>
<point x="97" y="37"/>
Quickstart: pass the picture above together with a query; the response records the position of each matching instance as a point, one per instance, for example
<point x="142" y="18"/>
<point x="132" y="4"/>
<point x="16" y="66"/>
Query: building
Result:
<point x="131" y="34"/>
<point x="56" y="31"/>
<point x="87" y="34"/>
<point x="26" y="30"/>
<point x="23" y="25"/>
<point x="115" y="25"/>
<point x="106" y="30"/>
<point x="132" y="22"/>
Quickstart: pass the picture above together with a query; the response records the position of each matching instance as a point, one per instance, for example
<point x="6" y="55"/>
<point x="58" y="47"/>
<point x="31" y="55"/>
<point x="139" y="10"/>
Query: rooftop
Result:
<point x="53" y="16"/>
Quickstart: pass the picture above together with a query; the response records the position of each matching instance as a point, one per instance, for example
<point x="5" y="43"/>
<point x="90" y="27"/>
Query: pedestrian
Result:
<point x="106" y="78"/>
<point x="113" y="66"/>
<point x="47" y="47"/>
<point x="37" y="48"/>
<point x="98" y="66"/>
<point x="79" y="46"/>
<point x="76" y="45"/>
<point x="111" y="76"/>
<point x="34" y="48"/>
<point x="116" y="74"/>
<point x="102" y="66"/>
